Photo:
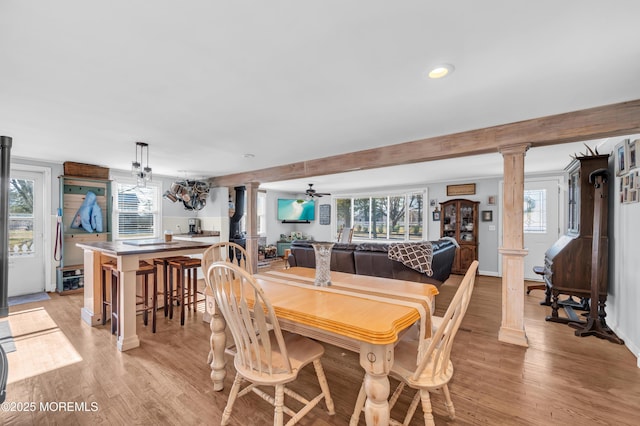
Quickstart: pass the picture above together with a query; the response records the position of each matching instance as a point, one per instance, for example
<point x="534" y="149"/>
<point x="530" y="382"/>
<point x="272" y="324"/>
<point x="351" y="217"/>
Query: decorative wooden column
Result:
<point x="252" y="223"/>
<point x="512" y="250"/>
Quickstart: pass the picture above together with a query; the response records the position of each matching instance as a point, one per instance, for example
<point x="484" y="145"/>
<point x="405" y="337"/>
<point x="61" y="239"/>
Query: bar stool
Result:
<point x="186" y="283"/>
<point x="145" y="270"/>
<point x="167" y="283"/>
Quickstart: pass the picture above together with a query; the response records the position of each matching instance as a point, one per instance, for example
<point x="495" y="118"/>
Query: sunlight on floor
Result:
<point x="40" y="345"/>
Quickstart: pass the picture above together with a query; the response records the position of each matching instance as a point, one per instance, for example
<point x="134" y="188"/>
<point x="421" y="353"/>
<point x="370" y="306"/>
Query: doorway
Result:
<point x="541" y="221"/>
<point x="28" y="230"/>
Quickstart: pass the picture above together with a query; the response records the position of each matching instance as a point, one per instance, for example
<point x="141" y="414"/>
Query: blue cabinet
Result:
<point x="282" y="246"/>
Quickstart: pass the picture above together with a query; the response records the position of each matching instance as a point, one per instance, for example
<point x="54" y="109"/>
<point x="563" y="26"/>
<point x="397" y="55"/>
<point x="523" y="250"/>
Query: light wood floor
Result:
<point x="559" y="379"/>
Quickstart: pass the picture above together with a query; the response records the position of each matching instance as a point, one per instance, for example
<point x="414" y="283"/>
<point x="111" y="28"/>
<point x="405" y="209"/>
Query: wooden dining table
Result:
<point x="360" y="313"/>
<point x="127" y="255"/>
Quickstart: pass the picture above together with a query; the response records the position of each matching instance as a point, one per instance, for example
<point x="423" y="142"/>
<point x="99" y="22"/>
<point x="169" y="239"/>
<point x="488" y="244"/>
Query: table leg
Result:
<point x="218" y="341"/>
<point x="376" y="361"/>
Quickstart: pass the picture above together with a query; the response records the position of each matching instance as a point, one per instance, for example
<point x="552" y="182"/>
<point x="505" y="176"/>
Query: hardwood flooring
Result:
<point x="559" y="379"/>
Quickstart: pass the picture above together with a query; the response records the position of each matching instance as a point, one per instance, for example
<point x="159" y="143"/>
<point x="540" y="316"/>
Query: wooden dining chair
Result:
<point x="345" y="234"/>
<point x="265" y="355"/>
<point x="423" y="363"/>
<point x="224" y="251"/>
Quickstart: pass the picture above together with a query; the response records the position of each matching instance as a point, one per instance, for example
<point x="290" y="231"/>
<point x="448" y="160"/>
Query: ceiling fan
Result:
<point x="312" y="192"/>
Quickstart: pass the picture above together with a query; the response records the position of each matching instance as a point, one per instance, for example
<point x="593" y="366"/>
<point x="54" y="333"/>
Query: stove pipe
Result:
<point x="5" y="166"/>
<point x="234" y="222"/>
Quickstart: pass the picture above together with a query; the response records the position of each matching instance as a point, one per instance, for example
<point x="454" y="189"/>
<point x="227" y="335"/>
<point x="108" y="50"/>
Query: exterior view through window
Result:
<point x="136" y="210"/>
<point x="535" y="211"/>
<point x="21" y="217"/>
<point x="396" y="217"/>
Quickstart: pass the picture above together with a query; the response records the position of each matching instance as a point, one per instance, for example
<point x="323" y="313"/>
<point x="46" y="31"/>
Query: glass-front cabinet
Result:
<point x="459" y="220"/>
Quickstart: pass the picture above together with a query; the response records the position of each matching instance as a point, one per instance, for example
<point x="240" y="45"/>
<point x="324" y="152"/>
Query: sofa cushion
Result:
<point x="341" y="256"/>
<point x="383" y="247"/>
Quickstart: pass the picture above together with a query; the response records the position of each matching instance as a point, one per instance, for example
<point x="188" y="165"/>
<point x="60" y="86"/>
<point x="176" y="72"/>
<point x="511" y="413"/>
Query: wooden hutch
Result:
<point x="459" y="220"/>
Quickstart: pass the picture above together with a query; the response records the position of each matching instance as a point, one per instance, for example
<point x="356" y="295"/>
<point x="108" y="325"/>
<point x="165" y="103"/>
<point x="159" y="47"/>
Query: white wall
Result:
<point x="623" y="298"/>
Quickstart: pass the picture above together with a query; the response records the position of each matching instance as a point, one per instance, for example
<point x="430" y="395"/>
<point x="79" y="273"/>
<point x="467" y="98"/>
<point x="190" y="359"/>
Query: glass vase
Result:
<point x="323" y="263"/>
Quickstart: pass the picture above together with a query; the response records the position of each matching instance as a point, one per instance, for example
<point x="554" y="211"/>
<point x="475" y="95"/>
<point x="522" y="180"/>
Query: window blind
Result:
<point x="136" y="211"/>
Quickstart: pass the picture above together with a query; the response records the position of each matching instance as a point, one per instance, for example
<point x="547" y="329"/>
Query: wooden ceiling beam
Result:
<point x="593" y="123"/>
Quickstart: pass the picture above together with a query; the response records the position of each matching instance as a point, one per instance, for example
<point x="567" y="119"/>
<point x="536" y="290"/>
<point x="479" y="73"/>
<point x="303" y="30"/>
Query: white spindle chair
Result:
<point x="265" y="356"/>
<point x="423" y="363"/>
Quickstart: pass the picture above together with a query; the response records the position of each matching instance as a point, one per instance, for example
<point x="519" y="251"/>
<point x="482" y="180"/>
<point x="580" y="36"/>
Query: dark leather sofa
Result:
<point x="372" y="259"/>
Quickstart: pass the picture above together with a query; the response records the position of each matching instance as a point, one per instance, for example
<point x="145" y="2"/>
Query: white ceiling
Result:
<point x="204" y="82"/>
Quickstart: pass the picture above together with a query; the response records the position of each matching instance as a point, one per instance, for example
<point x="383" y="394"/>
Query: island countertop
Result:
<point x="119" y="248"/>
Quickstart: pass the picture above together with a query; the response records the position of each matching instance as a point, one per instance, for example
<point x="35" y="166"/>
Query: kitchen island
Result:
<point x="127" y="255"/>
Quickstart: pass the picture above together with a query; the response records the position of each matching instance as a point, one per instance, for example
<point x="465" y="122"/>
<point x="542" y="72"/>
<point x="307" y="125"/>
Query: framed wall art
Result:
<point x="629" y="187"/>
<point x="487" y="215"/>
<point x="464" y="189"/>
<point x="622" y="161"/>
<point x="632" y="151"/>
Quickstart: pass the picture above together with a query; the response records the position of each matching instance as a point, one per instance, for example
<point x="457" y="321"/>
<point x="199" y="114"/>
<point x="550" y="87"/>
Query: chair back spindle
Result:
<point x="226" y="251"/>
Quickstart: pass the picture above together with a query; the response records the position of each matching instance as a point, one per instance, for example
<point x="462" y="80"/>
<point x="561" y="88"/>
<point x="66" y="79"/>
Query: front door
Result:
<point x="26" y="233"/>
<point x="541" y="222"/>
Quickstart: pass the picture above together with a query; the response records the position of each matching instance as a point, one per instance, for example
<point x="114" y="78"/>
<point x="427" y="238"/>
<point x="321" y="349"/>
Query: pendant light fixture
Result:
<point x="143" y="174"/>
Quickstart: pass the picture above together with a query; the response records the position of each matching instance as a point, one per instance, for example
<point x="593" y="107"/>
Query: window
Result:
<point x="21" y="218"/>
<point x="535" y="211"/>
<point x="136" y="212"/>
<point x="261" y="210"/>
<point x="343" y="213"/>
<point x="394" y="217"/>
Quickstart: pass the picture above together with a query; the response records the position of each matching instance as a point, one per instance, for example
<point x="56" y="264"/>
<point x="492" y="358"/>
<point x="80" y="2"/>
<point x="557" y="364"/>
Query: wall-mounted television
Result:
<point x="296" y="210"/>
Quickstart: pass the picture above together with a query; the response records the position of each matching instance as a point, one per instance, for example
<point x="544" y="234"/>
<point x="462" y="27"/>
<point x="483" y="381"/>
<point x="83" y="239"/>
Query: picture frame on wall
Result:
<point x="436" y="215"/>
<point x="462" y="189"/>
<point x="632" y="150"/>
<point x="487" y="215"/>
<point x="491" y="200"/>
<point x="629" y="187"/>
<point x="622" y="159"/>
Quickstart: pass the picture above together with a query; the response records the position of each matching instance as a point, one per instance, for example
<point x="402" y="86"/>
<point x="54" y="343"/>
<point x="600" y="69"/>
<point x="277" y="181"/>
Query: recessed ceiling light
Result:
<point x="248" y="155"/>
<point x="441" y="71"/>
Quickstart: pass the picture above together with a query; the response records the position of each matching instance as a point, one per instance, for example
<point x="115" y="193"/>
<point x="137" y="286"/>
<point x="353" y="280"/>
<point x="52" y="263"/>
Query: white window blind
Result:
<point x="136" y="211"/>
